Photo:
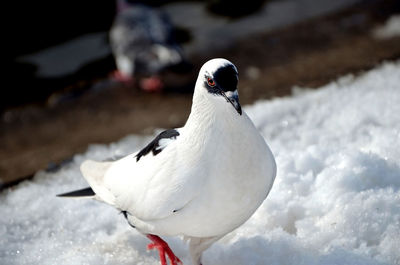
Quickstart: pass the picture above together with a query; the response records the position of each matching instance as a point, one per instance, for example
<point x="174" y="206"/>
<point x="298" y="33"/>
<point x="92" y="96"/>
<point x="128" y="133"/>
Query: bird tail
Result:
<point x="94" y="173"/>
<point x="83" y="193"/>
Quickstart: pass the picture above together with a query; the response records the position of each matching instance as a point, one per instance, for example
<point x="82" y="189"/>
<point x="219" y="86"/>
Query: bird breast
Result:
<point x="235" y="176"/>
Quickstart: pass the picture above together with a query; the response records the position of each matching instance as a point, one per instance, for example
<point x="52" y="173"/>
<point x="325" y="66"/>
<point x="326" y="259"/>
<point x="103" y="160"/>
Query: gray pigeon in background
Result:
<point x="143" y="45"/>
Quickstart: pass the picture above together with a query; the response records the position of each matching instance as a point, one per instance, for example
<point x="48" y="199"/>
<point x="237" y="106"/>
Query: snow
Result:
<point x="217" y="32"/>
<point x="73" y="54"/>
<point x="390" y="29"/>
<point x="335" y="200"/>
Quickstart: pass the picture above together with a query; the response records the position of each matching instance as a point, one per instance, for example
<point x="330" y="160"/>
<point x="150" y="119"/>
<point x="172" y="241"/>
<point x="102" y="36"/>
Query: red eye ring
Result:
<point x="210" y="82"/>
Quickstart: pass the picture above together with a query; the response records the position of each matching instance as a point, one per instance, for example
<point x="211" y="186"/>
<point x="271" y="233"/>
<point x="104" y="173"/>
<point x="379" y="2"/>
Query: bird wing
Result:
<point x="136" y="28"/>
<point x="159" y="143"/>
<point x="149" y="184"/>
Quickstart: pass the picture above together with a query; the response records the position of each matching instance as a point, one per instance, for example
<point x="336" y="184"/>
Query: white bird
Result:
<point x="200" y="181"/>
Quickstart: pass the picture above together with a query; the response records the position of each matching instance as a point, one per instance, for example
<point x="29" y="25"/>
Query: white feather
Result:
<point x="94" y="173"/>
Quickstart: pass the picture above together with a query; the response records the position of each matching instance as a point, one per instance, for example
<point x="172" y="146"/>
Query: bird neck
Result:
<point x="199" y="132"/>
<point x="202" y="116"/>
<point x="211" y="116"/>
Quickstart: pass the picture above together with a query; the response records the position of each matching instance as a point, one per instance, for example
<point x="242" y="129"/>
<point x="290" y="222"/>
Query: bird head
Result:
<point x="217" y="80"/>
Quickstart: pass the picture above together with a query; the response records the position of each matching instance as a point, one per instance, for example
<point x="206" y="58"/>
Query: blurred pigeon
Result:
<point x="143" y="45"/>
<point x="200" y="181"/>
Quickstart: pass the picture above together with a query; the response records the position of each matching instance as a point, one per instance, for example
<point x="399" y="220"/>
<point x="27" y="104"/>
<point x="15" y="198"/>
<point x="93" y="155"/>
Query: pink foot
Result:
<point x="123" y="78"/>
<point x="151" y="84"/>
<point x="163" y="249"/>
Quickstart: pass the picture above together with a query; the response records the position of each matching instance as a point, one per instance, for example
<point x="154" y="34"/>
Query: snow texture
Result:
<point x="67" y="58"/>
<point x="335" y="200"/>
<point x="389" y="30"/>
<point x="216" y="32"/>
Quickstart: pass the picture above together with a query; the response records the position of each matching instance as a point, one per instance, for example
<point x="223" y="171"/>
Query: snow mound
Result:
<point x="336" y="198"/>
<point x="390" y="29"/>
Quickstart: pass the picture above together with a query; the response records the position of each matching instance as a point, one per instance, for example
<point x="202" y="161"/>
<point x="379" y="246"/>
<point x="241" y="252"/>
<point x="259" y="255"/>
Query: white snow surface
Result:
<point x="336" y="198"/>
<point x="67" y="58"/>
<point x="390" y="29"/>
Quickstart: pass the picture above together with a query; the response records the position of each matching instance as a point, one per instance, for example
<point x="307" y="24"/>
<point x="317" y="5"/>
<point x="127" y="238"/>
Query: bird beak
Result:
<point x="233" y="98"/>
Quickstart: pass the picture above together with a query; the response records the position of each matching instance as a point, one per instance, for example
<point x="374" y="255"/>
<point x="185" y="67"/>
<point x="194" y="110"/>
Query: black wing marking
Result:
<point x="125" y="213"/>
<point x="154" y="146"/>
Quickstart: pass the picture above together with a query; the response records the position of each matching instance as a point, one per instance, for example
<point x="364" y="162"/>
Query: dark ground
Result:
<point x="45" y="133"/>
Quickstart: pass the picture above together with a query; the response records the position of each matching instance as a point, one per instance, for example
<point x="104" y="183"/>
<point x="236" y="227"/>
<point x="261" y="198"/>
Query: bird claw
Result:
<point x="163" y="249"/>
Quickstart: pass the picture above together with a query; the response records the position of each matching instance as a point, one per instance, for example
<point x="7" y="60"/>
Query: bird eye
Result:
<point x="210" y="82"/>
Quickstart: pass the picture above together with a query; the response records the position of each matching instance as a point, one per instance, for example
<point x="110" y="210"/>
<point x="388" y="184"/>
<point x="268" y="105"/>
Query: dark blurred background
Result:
<point x="58" y="95"/>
